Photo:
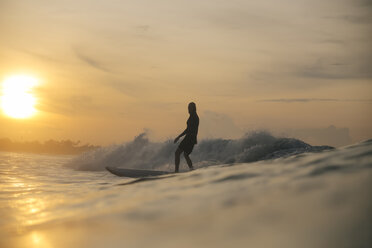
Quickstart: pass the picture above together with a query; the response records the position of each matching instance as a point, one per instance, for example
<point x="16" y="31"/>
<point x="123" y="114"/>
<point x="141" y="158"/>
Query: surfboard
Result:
<point x="123" y="172"/>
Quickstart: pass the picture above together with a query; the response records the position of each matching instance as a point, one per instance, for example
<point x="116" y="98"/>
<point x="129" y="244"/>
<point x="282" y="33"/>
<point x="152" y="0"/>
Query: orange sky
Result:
<point x="109" y="69"/>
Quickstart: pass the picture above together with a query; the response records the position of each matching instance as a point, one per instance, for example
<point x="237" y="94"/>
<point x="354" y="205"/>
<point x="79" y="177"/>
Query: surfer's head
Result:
<point x="192" y="107"/>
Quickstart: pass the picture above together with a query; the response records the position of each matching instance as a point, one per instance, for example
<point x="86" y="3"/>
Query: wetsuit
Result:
<point x="187" y="144"/>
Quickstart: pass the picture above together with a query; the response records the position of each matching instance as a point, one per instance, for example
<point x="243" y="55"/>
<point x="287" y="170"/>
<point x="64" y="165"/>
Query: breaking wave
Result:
<point x="141" y="153"/>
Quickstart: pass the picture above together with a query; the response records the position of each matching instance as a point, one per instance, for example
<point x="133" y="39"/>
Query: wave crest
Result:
<point x="141" y="153"/>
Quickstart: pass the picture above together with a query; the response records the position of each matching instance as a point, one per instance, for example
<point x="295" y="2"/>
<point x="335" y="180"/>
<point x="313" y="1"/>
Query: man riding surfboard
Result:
<point x="187" y="144"/>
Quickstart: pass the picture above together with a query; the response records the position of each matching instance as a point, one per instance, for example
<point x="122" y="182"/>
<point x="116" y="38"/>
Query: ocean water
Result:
<point x="258" y="191"/>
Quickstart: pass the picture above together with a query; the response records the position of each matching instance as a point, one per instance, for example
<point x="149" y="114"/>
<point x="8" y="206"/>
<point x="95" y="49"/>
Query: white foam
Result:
<point x="141" y="153"/>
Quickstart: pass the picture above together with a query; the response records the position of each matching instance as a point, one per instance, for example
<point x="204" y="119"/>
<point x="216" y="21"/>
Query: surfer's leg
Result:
<point x="188" y="160"/>
<point x="177" y="159"/>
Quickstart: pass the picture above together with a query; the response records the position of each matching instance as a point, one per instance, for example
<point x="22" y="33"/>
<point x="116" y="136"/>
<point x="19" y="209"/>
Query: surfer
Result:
<point x="191" y="132"/>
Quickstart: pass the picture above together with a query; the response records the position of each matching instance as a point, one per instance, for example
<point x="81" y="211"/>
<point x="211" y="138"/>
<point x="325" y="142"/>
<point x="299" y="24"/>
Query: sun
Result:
<point x="17" y="100"/>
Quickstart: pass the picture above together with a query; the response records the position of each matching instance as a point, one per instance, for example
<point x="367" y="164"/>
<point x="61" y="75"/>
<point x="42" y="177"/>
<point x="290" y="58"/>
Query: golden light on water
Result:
<point x="17" y="100"/>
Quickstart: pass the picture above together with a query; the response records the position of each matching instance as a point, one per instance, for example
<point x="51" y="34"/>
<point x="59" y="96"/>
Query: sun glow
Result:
<point x="17" y="100"/>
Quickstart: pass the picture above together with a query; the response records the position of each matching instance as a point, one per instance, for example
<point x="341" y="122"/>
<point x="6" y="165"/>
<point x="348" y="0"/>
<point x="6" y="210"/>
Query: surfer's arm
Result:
<point x="179" y="136"/>
<point x="183" y="133"/>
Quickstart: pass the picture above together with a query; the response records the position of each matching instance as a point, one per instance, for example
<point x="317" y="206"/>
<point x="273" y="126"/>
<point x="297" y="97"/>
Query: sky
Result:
<point x="109" y="69"/>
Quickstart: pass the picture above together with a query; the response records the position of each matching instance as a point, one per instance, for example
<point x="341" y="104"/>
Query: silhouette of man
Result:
<point x="191" y="132"/>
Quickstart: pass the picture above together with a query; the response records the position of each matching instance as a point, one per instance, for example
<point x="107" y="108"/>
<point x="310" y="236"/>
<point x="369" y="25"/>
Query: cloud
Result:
<point x="334" y="41"/>
<point x="74" y="105"/>
<point x="90" y="61"/>
<point x="337" y="68"/>
<point x="354" y="18"/>
<point x="291" y="100"/>
<point x="142" y="28"/>
<point x="39" y="55"/>
<point x="357" y="19"/>
<point x="134" y="88"/>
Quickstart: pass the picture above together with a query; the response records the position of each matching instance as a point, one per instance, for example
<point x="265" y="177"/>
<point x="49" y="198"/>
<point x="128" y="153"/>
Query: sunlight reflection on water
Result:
<point x="296" y="202"/>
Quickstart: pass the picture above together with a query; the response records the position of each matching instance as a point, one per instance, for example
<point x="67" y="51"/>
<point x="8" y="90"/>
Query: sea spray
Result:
<point x="141" y="153"/>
